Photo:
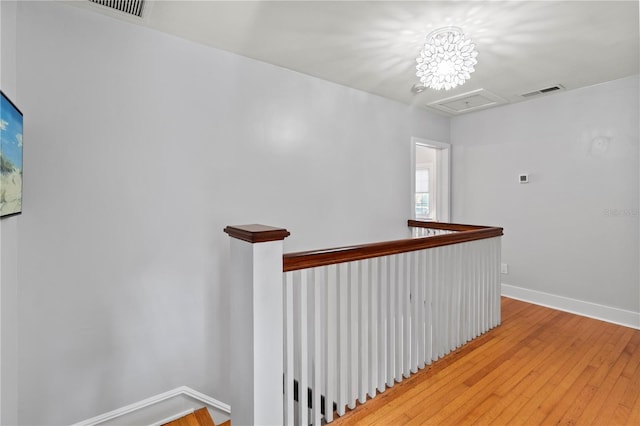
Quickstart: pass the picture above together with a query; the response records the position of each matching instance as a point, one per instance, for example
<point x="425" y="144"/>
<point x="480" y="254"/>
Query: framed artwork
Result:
<point x="10" y="157"/>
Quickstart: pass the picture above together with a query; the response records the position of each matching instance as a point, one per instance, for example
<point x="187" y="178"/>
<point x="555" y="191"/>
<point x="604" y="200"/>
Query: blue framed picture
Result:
<point x="10" y="157"/>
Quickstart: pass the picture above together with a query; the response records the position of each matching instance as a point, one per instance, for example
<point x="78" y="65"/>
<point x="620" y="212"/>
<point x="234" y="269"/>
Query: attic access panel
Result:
<point x="466" y="102"/>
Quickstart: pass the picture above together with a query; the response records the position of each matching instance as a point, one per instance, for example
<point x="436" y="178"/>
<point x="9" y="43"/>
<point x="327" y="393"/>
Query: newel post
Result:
<point x="257" y="335"/>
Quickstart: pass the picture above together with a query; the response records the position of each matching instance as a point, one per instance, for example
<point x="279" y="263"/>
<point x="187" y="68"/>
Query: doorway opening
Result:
<point x="430" y="180"/>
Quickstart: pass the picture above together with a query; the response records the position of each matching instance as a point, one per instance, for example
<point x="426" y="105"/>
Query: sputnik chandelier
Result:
<point x="446" y="59"/>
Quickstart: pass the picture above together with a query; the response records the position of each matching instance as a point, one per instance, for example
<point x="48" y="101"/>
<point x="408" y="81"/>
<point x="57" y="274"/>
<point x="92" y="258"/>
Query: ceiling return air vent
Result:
<point x="555" y="88"/>
<point x="130" y="7"/>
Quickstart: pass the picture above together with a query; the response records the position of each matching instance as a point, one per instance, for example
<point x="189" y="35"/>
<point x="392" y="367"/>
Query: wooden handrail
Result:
<point x="315" y="258"/>
<point x="443" y="225"/>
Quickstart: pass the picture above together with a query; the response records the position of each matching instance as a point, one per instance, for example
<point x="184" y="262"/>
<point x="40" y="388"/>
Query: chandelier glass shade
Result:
<point x="447" y="59"/>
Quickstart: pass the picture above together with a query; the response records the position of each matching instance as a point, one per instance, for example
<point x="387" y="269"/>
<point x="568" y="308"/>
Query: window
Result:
<point x="422" y="193"/>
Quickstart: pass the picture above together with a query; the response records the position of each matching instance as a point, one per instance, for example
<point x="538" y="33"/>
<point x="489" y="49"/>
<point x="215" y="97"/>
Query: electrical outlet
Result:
<point x="504" y="268"/>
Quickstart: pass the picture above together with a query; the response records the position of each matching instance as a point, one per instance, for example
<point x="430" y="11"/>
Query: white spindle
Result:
<point x="392" y="280"/>
<point x="373" y="327"/>
<point x="472" y="293"/>
<point x="343" y="328"/>
<point x="496" y="279"/>
<point x="427" y="307"/>
<point x="399" y="286"/>
<point x="485" y="290"/>
<point x="353" y="335"/>
<point x="288" y="350"/>
<point x="406" y="314"/>
<point x="482" y="286"/>
<point x="303" y="381"/>
<point x="414" y="302"/>
<point x="464" y="291"/>
<point x="429" y="296"/>
<point x="455" y="295"/>
<point x="316" y="362"/>
<point x="452" y="308"/>
<point x="421" y="303"/>
<point x="443" y="306"/>
<point x="435" y="302"/>
<point x="383" y="320"/>
<point x="363" y="348"/>
<point x="331" y="347"/>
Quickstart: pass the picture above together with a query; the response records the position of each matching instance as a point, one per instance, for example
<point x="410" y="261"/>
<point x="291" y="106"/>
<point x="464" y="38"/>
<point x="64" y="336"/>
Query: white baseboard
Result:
<point x="574" y="306"/>
<point x="161" y="409"/>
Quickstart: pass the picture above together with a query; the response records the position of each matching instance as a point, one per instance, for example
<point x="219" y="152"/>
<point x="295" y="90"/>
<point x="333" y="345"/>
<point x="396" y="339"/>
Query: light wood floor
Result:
<point x="540" y="366"/>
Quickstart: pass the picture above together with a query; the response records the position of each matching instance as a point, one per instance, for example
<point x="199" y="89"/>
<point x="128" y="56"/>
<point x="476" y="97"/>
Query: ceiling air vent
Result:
<point x="542" y="91"/>
<point x="130" y="7"/>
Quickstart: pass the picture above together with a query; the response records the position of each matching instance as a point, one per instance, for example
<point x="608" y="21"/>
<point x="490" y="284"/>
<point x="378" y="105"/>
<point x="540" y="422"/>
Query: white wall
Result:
<point x="573" y="230"/>
<point x="139" y="149"/>
<point x="8" y="240"/>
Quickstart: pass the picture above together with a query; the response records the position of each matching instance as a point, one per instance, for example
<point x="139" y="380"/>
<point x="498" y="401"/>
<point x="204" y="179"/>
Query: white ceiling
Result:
<point x="372" y="45"/>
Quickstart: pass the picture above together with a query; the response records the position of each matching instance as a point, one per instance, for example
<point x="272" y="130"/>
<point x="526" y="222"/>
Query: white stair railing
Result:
<point x="358" y="319"/>
<point x="362" y="326"/>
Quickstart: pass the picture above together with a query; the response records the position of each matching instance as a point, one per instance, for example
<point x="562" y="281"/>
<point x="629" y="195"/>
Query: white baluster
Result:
<point x="465" y="334"/>
<point x="439" y="305"/>
<point x="414" y="301"/>
<point x="318" y="282"/>
<point x="481" y="288"/>
<point x="303" y="378"/>
<point x="331" y="345"/>
<point x="363" y="349"/>
<point x="477" y="285"/>
<point x="420" y="303"/>
<point x="374" y="329"/>
<point x="391" y="319"/>
<point x="399" y="291"/>
<point x="494" y="279"/>
<point x="485" y="292"/>
<point x="456" y="299"/>
<point x="498" y="278"/>
<point x="451" y="306"/>
<point x="406" y="315"/>
<point x="481" y="300"/>
<point x="474" y="294"/>
<point x="353" y="335"/>
<point x="383" y="320"/>
<point x="428" y="314"/>
<point x="288" y="350"/>
<point x="491" y="279"/>
<point x="435" y="285"/>
<point x="343" y="330"/>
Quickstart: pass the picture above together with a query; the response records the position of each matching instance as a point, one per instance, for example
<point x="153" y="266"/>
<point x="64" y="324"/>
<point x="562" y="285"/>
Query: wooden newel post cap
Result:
<point x="256" y="233"/>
